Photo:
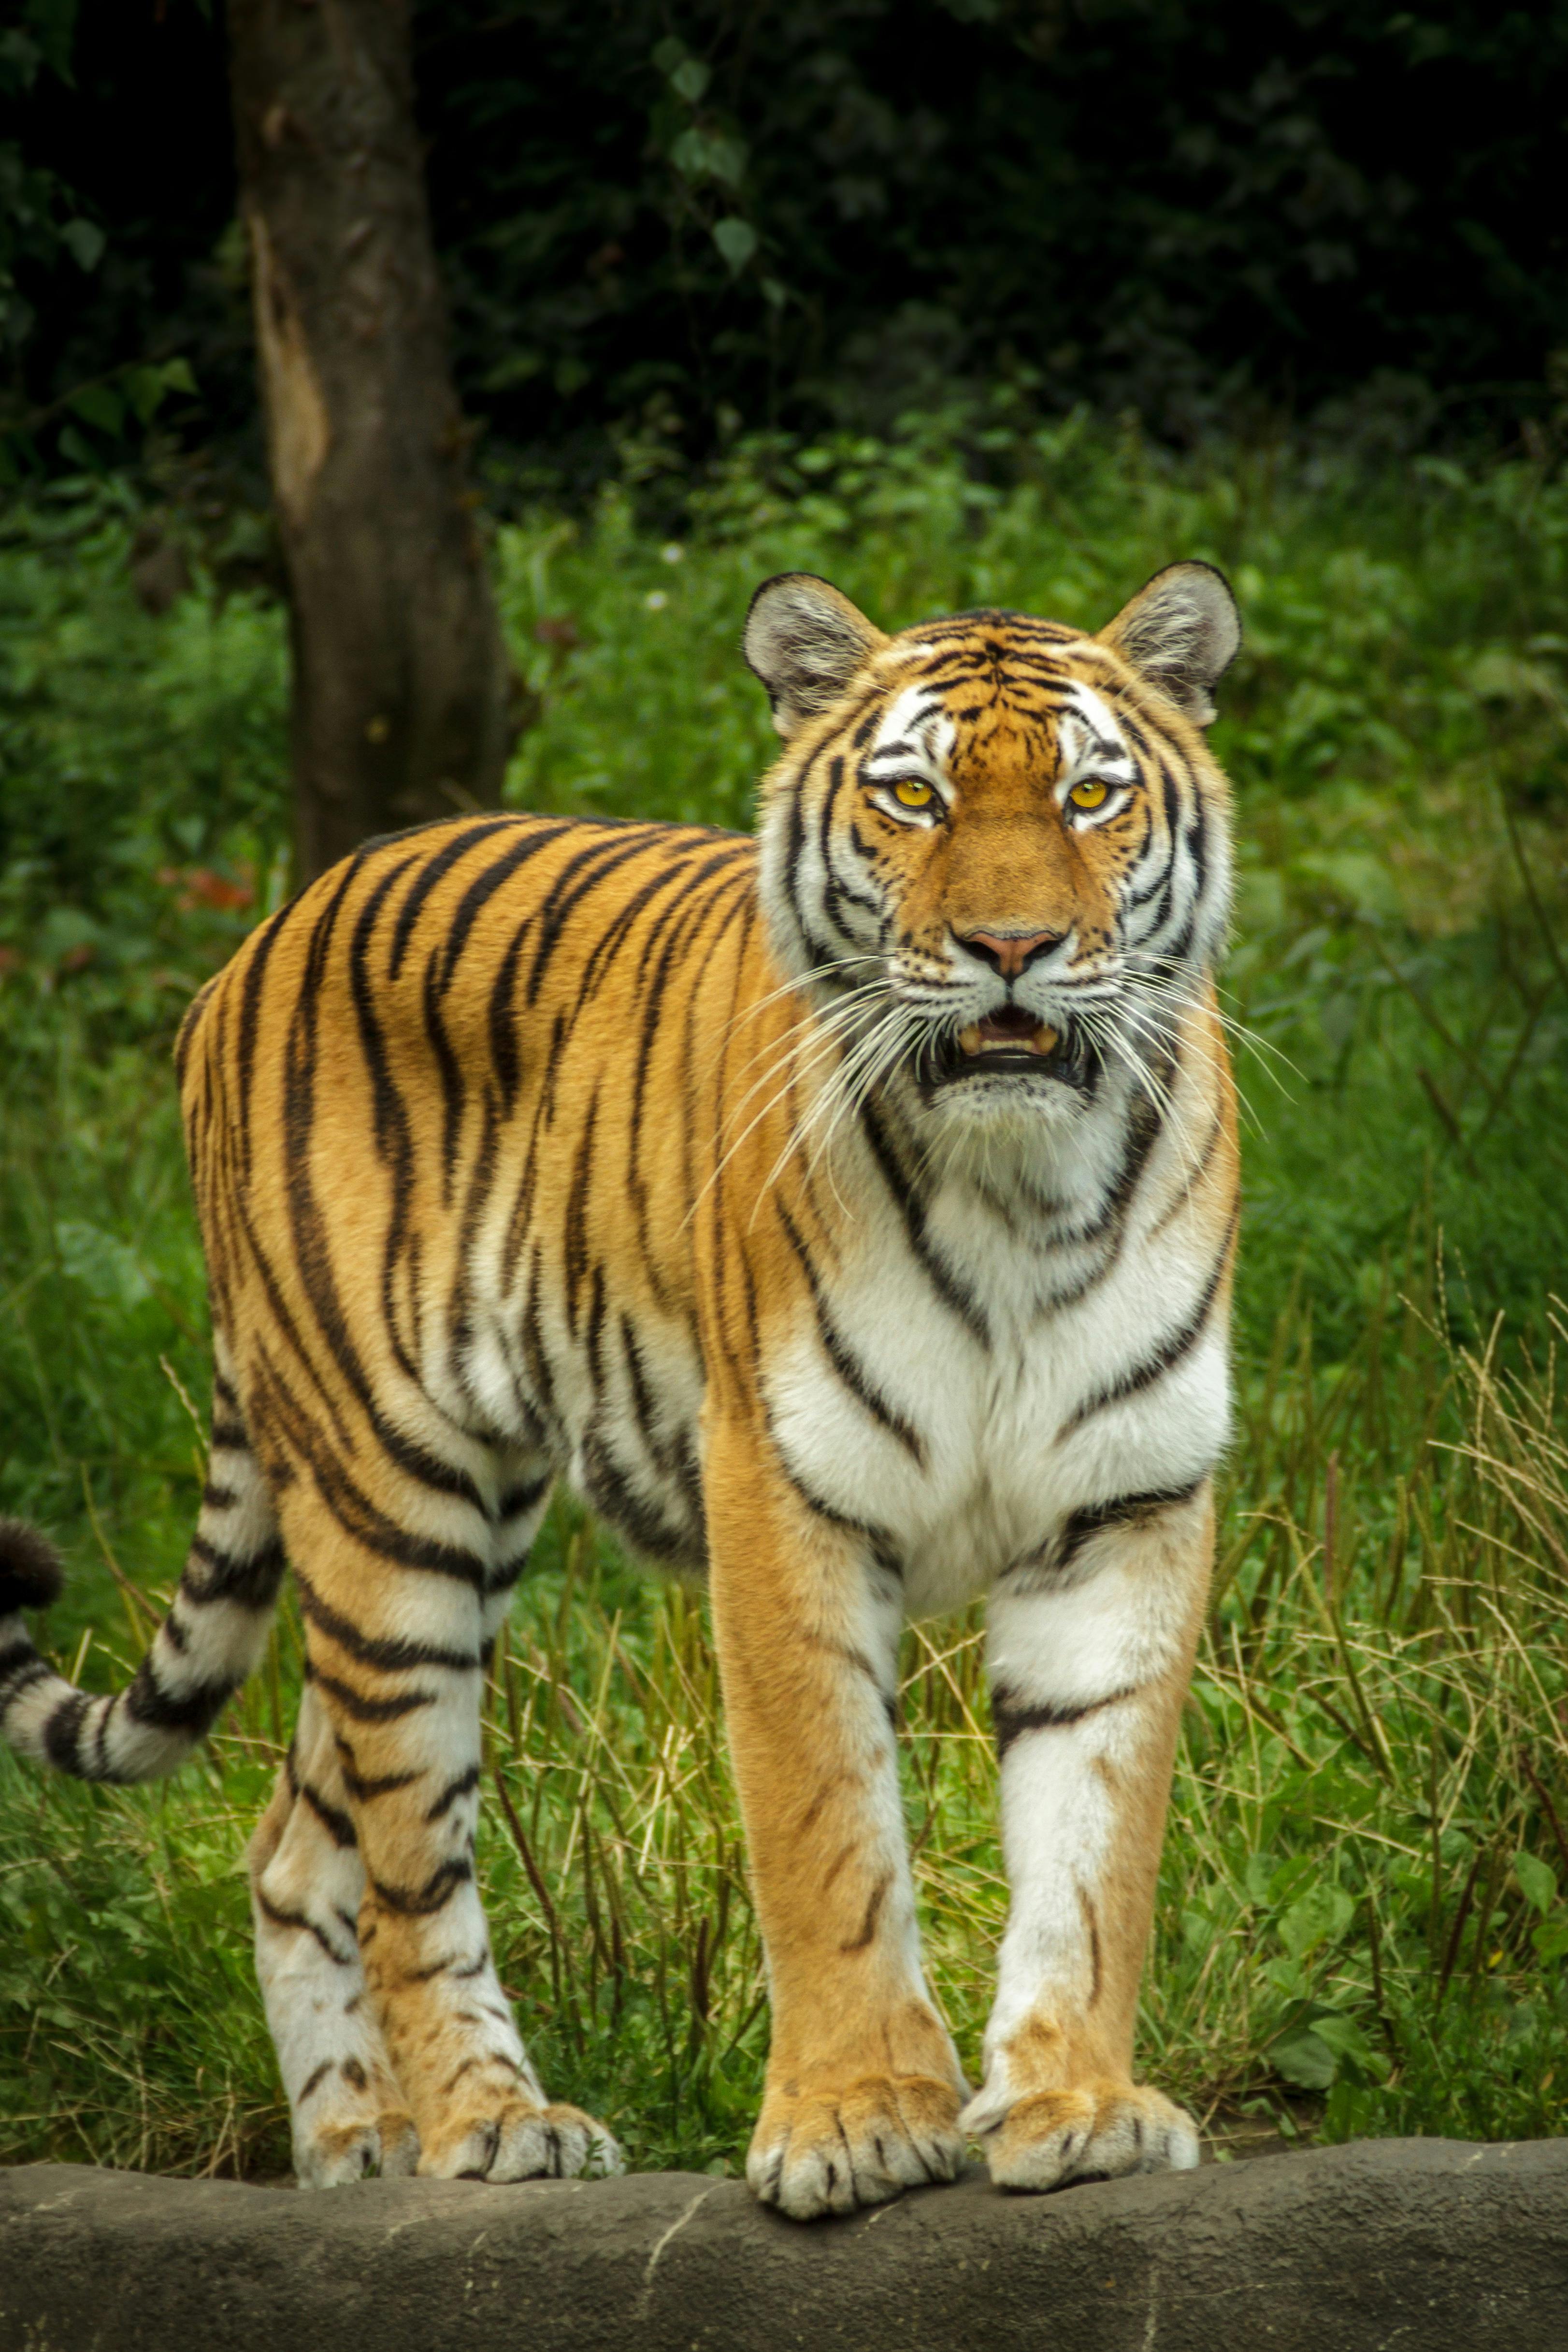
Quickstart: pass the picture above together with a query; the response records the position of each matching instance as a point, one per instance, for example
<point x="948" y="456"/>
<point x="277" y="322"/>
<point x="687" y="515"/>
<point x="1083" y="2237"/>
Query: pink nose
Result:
<point x="1010" y="952"/>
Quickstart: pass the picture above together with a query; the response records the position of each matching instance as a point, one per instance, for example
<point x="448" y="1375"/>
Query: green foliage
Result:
<point x="143" y="760"/>
<point x="1361" y="1921"/>
<point x="833" y="209"/>
<point x="38" y="222"/>
<point x="1141" y="202"/>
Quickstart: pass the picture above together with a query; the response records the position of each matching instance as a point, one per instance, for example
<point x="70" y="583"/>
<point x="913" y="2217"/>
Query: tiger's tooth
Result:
<point x="970" y="1039"/>
<point x="1045" y="1039"/>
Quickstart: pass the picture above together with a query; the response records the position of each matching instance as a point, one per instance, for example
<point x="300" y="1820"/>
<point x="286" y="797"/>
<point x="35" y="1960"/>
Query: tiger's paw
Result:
<point x="332" y="2155"/>
<point x="517" y="2139"/>
<point x="830" y="2151"/>
<point x="1097" y="2132"/>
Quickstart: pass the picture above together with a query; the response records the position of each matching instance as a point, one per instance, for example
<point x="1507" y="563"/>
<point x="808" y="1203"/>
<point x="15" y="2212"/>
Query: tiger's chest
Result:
<point x="960" y="1392"/>
<point x="967" y="1418"/>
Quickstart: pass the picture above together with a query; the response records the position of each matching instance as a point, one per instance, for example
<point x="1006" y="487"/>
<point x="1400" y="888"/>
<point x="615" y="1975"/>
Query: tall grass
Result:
<point x="1361" y="1917"/>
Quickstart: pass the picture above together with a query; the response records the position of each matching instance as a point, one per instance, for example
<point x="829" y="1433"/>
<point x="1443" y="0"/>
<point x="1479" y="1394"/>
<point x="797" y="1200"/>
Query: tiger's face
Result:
<point x="997" y="848"/>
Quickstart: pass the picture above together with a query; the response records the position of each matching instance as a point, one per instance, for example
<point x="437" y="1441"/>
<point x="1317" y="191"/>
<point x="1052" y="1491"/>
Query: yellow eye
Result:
<point x="1090" y="794"/>
<point x="913" y="793"/>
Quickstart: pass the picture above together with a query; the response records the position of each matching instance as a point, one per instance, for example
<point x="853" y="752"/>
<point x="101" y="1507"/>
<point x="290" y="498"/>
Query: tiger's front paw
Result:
<point x="1096" y="2132"/>
<point x="330" y="2153"/>
<point x="827" y="2151"/>
<point x="518" y="2140"/>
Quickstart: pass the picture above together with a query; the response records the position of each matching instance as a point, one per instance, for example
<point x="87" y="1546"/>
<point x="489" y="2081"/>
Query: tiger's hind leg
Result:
<point x="398" y="1619"/>
<point x="307" y="1884"/>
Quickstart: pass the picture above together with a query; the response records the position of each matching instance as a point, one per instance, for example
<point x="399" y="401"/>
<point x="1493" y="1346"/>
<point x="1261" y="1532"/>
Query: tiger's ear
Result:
<point x="1181" y="633"/>
<point x="805" y="640"/>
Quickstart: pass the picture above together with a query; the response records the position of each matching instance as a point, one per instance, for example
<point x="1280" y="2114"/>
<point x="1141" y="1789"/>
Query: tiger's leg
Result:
<point x="396" y="1656"/>
<point x="864" y="2086"/>
<point x="1088" y="1676"/>
<point x="307" y="1885"/>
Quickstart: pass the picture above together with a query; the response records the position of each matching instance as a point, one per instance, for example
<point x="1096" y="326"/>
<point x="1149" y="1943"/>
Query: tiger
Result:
<point x="847" y="1212"/>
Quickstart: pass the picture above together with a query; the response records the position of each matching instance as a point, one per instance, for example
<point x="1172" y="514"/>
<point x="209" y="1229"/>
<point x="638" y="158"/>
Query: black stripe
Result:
<point x="364" y="1791"/>
<point x="912" y="1211"/>
<point x="453" y="1790"/>
<point x="311" y="1241"/>
<point x="502" y="1021"/>
<point x="878" y="1541"/>
<point x="645" y="1411"/>
<point x="390" y="1120"/>
<point x="333" y="1817"/>
<point x="1194" y="1177"/>
<point x="431" y="873"/>
<point x="1090" y="1921"/>
<point x="193" y="1712"/>
<point x="817" y="950"/>
<point x="356" y="1515"/>
<point x="679" y="877"/>
<point x="20" y="1668"/>
<point x="250" y="1013"/>
<point x="593" y="1333"/>
<point x="450" y="1073"/>
<point x="519" y="1499"/>
<point x="1011" y="1718"/>
<point x="185" y="1036"/>
<point x="1143" y="1130"/>
<point x="62" y="1733"/>
<point x="484" y="888"/>
<point x="878" y="1896"/>
<point x="575" y="881"/>
<point x="680" y="916"/>
<point x="845" y="1363"/>
<point x="576" y="1236"/>
<point x="1168" y="1354"/>
<point x="1171" y="802"/>
<point x="608" y="1487"/>
<point x="387" y="1656"/>
<point x="1082" y="1527"/>
<point x="253" y="1583"/>
<point x="535" y="1359"/>
<point x="282" y="1918"/>
<point x="423" y="1902"/>
<point x="370" y="1710"/>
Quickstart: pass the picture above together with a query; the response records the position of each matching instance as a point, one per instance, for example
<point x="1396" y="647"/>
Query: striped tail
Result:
<point x="213" y="1638"/>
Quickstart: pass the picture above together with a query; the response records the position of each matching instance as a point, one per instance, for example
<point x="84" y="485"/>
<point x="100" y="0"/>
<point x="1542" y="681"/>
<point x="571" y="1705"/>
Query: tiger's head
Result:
<point x="996" y="849"/>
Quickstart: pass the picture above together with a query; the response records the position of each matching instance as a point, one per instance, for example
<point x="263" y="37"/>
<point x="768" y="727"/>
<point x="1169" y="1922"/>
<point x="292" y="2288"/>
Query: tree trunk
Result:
<point x="400" y="676"/>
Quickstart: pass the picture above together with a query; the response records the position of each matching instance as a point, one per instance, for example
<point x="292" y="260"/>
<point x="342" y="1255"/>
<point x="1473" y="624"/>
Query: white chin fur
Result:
<point x="991" y="1107"/>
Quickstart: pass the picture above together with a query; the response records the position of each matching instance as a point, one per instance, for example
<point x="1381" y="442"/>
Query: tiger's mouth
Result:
<point x="1010" y="1031"/>
<point x="1012" y="1043"/>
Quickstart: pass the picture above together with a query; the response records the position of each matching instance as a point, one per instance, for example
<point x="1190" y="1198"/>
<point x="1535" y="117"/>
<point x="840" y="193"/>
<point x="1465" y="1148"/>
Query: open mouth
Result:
<point x="1012" y="1043"/>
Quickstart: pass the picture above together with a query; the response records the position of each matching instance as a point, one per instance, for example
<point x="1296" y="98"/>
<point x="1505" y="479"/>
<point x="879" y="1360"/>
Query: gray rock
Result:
<point x="1423" y="2245"/>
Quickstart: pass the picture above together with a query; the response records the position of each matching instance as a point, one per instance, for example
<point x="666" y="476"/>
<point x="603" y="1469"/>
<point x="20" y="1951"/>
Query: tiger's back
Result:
<point x="496" y="1045"/>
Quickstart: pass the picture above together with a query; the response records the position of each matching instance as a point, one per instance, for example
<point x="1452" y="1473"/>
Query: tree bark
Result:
<point x="399" y="708"/>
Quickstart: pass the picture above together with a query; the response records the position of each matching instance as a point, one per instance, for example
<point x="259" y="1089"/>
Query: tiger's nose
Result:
<point x="1010" y="952"/>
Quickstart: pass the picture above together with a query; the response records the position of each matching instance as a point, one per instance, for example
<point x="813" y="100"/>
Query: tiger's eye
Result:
<point x="1090" y="794"/>
<point x="913" y="793"/>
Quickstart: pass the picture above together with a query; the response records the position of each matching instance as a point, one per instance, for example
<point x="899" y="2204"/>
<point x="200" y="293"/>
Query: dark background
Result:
<point x="1209" y="215"/>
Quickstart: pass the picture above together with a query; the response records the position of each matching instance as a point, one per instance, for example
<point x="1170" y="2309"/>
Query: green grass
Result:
<point x="1362" y="1919"/>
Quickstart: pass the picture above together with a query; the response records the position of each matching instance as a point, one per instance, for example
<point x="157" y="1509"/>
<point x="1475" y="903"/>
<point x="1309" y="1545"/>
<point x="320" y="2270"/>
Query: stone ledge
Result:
<point x="1426" y="2245"/>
